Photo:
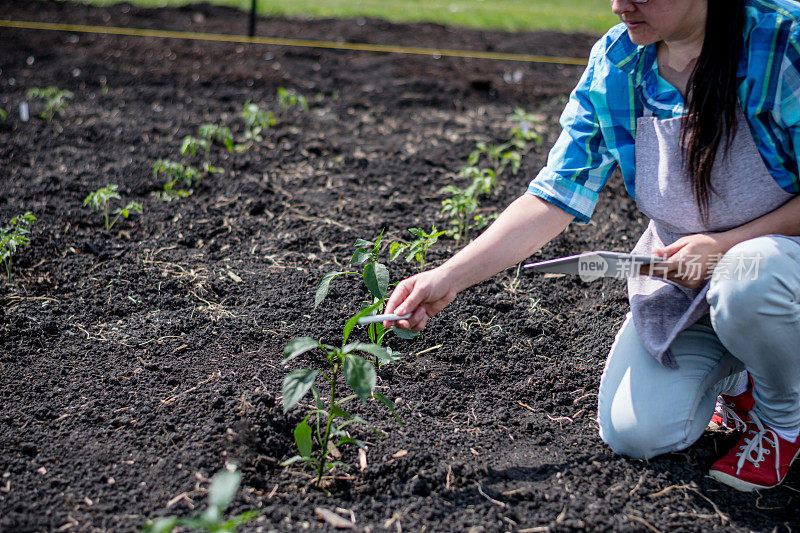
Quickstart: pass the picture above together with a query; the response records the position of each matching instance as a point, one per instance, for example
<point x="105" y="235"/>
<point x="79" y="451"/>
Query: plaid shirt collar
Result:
<point x="641" y="65"/>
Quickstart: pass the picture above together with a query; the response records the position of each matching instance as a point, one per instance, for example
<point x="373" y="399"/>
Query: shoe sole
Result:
<point x="736" y="483"/>
<point x="713" y="426"/>
<point x="740" y="484"/>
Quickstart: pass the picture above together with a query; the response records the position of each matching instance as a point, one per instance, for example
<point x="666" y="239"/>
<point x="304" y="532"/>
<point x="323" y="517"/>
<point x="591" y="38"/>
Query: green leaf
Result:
<point x="236" y="521"/>
<point x="376" y="245"/>
<point x="298" y="346"/>
<point x="338" y="412"/>
<point x="188" y="145"/>
<point x="395" y="249"/>
<point x="360" y="375"/>
<point x="317" y="401"/>
<point x="324" y="286"/>
<point x="385" y="401"/>
<point x="224" y="486"/>
<point x="162" y="525"/>
<point x="383" y="354"/>
<point x="302" y="437"/>
<point x="296" y="385"/>
<point x="207" y="522"/>
<point x="404" y="333"/>
<point x="359" y="256"/>
<point x="361" y="243"/>
<point x="348" y="327"/>
<point x="376" y="278"/>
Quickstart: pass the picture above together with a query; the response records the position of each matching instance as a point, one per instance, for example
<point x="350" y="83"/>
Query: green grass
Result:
<point x="593" y="16"/>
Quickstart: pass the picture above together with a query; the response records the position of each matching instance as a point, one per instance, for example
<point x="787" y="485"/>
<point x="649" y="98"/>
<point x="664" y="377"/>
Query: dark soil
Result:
<point x="134" y="363"/>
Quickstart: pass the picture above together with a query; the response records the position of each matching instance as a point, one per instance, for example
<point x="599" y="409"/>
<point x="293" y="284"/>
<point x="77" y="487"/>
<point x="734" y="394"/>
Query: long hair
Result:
<point x="711" y="96"/>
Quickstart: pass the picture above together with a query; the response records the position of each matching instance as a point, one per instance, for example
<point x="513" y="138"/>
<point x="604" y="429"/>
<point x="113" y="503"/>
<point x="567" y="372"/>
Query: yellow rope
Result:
<point x="277" y="41"/>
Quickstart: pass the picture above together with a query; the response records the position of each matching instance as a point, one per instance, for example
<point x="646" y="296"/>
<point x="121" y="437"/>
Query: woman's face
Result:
<point x="662" y="20"/>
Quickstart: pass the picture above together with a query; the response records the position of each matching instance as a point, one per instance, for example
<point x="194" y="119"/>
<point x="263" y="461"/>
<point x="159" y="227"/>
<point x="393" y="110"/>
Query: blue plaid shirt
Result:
<point x="621" y="79"/>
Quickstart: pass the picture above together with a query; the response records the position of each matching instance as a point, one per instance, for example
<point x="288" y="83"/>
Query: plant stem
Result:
<point x="105" y="213"/>
<point x="109" y="226"/>
<point x="324" y="443"/>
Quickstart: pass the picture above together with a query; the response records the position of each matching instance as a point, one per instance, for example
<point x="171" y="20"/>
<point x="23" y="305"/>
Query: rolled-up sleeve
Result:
<point x="787" y="113"/>
<point x="580" y="163"/>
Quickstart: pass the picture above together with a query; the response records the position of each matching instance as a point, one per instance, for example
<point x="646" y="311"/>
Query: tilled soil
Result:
<point x="136" y="362"/>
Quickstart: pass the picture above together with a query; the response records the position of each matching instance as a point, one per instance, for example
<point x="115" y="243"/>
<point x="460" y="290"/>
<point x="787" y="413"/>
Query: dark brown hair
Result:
<point x="711" y="95"/>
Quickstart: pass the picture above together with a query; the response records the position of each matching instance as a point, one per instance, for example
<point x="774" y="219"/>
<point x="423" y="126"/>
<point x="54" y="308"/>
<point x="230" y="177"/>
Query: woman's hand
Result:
<point x="521" y="229"/>
<point x="691" y="259"/>
<point x="423" y="296"/>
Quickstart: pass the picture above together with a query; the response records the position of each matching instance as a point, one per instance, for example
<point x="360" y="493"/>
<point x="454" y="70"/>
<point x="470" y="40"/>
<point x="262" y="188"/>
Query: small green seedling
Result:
<point x="416" y="250"/>
<point x="3" y="115"/>
<point x="484" y="180"/>
<point x="256" y="121"/>
<point x="177" y="175"/>
<point x="499" y="156"/>
<point x="101" y="199"/>
<point x="208" y="135"/>
<point x="526" y="126"/>
<point x="224" y="486"/>
<point x="13" y="236"/>
<point x="219" y="134"/>
<point x="459" y="209"/>
<point x="327" y="422"/>
<point x="190" y="145"/>
<point x="55" y="100"/>
<point x="463" y="203"/>
<point x="288" y="99"/>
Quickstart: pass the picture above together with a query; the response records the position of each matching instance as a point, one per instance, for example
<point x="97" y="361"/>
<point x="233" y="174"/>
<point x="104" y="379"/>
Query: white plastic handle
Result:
<point x="380" y="318"/>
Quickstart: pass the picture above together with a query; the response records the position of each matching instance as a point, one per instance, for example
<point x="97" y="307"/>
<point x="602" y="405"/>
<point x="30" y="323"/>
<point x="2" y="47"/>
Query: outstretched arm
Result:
<point x="522" y="229"/>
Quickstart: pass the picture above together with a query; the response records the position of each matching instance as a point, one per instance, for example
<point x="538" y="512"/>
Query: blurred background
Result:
<point x="592" y="16"/>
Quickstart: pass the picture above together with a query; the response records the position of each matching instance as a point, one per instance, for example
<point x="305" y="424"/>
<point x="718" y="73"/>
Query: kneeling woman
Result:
<point x="698" y="103"/>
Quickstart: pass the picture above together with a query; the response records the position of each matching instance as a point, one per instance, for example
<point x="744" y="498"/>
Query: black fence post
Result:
<point x="253" y="18"/>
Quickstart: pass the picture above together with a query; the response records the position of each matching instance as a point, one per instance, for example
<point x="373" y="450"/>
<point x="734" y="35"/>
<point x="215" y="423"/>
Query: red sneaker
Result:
<point x="749" y="465"/>
<point x="731" y="411"/>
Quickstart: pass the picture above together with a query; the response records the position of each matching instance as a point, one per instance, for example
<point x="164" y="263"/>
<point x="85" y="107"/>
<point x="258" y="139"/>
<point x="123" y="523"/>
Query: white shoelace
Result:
<point x="756" y="445"/>
<point x="728" y="415"/>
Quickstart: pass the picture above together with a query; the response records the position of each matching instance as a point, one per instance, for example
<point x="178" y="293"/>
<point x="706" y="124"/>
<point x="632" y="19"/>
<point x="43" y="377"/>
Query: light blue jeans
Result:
<point x="645" y="409"/>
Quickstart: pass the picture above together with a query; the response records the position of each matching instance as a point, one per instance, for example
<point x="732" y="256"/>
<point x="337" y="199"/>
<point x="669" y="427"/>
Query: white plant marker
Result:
<point x="380" y="318"/>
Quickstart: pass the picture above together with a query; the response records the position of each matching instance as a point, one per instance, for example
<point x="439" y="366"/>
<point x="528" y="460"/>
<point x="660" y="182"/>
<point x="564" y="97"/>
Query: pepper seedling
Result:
<point x="289" y="98"/>
<point x="499" y="156"/>
<point x="256" y="120"/>
<point x="416" y="250"/>
<point x="3" y="115"/>
<point x="461" y="205"/>
<point x="526" y="128"/>
<point x="101" y="199"/>
<point x="224" y="486"/>
<point x="55" y="100"/>
<point x="215" y="133"/>
<point x="13" y="236"/>
<point x="177" y="174"/>
<point x="375" y="276"/>
<point x="208" y="134"/>
<point x="328" y="419"/>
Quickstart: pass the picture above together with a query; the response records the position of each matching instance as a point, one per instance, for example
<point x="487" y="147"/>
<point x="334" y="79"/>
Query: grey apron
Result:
<point x="743" y="190"/>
